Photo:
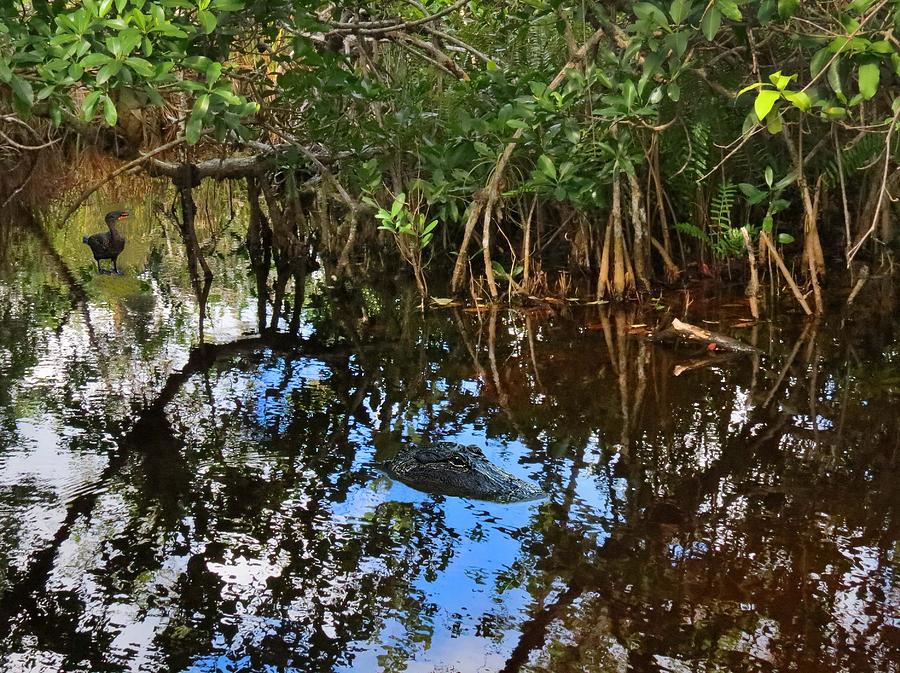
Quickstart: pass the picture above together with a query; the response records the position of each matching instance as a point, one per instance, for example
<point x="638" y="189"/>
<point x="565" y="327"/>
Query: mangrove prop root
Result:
<point x="493" y="189"/>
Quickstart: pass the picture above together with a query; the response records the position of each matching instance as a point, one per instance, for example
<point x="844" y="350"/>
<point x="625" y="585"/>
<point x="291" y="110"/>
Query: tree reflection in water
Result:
<point x="220" y="506"/>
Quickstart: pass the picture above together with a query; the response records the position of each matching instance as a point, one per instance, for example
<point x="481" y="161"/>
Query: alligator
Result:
<point x="447" y="468"/>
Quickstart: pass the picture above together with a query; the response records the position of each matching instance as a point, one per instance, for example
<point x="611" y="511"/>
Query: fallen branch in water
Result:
<point x="798" y="295"/>
<point x="679" y="329"/>
<point x="703" y="362"/>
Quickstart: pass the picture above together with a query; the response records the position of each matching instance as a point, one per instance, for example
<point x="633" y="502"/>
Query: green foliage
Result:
<point x="723" y="238"/>
<point x="721" y="205"/>
<point x="105" y="48"/>
<point x="654" y="97"/>
<point x="770" y="99"/>
<point x="403" y="222"/>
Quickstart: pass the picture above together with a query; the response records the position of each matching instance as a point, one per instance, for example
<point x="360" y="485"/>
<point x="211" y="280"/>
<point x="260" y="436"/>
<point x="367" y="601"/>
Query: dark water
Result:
<point x="165" y="507"/>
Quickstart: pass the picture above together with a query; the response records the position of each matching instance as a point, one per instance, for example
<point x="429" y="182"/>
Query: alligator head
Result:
<point x="447" y="468"/>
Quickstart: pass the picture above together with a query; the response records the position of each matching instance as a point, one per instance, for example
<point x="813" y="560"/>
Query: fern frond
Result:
<point x="692" y="230"/>
<point x="721" y="205"/>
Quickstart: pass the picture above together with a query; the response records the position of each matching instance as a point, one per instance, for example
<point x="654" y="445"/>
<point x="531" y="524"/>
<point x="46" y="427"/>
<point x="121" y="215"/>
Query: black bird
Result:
<point x="109" y="244"/>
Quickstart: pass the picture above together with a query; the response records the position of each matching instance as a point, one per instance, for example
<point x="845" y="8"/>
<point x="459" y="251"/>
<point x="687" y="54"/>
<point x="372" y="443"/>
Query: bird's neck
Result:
<point x="112" y="227"/>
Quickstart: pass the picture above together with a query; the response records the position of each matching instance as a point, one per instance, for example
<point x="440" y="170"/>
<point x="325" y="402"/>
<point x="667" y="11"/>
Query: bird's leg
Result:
<point x="99" y="268"/>
<point x="116" y="266"/>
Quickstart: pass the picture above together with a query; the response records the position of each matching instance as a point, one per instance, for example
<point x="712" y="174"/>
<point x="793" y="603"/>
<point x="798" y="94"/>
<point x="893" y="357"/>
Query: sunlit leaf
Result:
<point x="799" y="99"/>
<point x="765" y="100"/>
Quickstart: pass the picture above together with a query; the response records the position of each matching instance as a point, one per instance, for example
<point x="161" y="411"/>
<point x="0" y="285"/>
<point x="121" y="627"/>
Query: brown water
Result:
<point x="166" y="507"/>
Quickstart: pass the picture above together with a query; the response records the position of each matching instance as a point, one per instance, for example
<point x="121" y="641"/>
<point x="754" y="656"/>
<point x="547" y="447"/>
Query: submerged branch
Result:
<point x="683" y="329"/>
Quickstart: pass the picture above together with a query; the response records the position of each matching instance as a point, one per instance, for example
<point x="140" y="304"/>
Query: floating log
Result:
<point x="679" y="329"/>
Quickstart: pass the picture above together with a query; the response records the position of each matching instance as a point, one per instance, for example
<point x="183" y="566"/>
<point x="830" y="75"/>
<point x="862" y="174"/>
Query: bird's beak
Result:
<point x="123" y="216"/>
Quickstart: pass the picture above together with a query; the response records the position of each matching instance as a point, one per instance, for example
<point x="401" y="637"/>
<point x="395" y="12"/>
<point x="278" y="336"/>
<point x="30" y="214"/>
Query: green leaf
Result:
<point x="753" y="194"/>
<point x="88" y="105"/>
<point x="22" y="91"/>
<point x="680" y="41"/>
<point x="109" y="70"/>
<point x="860" y="6"/>
<point x="770" y="176"/>
<point x="193" y="128"/>
<point x="882" y="47"/>
<point x="207" y="20"/>
<point x="869" y="76"/>
<point x="750" y="87"/>
<point x="730" y="9"/>
<point x="765" y="100"/>
<point x="787" y="8"/>
<point x="114" y="44"/>
<point x="649" y="11"/>
<point x="786" y="181"/>
<point x="201" y="105"/>
<point x="629" y="92"/>
<point x="799" y="99"/>
<point x="785" y="239"/>
<point x="545" y="166"/>
<point x="213" y="73"/>
<point x="94" y="60"/>
<point x="141" y="66"/>
<point x="397" y="206"/>
<point x="674" y="91"/>
<point x="819" y="60"/>
<point x="778" y="205"/>
<point x="5" y="71"/>
<point x="105" y="6"/>
<point x="538" y="89"/>
<point x="834" y="76"/>
<point x="680" y="10"/>
<point x="225" y="93"/>
<point x="768" y="224"/>
<point x="711" y="23"/>
<point x="109" y="111"/>
<point x="191" y="85"/>
<point x="781" y="81"/>
<point x="774" y="123"/>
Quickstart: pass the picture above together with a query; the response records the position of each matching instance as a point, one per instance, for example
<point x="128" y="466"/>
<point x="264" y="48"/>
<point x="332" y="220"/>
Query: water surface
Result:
<point x="171" y="507"/>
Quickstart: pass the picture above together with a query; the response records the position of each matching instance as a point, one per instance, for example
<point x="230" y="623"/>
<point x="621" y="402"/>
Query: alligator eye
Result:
<point x="459" y="461"/>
